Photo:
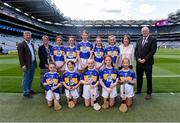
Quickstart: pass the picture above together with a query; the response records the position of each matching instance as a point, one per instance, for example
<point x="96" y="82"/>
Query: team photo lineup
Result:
<point x="89" y="60"/>
<point x="89" y="68"/>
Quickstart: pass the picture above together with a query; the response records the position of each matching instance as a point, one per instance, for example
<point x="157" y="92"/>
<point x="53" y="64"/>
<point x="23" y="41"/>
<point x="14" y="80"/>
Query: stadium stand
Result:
<point x="48" y="20"/>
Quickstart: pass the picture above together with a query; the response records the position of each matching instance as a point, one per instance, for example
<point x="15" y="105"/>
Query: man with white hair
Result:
<point x="27" y="59"/>
<point x="145" y="49"/>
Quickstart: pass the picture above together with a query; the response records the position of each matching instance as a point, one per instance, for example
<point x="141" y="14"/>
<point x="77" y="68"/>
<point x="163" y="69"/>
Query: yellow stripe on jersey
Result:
<point x="56" y="52"/>
<point x="128" y="78"/>
<point x="122" y="78"/>
<point x="74" y="54"/>
<point x="114" y="53"/>
<point x="75" y="80"/>
<point x="96" y="53"/>
<point x="83" y="49"/>
<point x="86" y="77"/>
<point x="105" y="76"/>
<point x="55" y="81"/>
<point x="114" y="76"/>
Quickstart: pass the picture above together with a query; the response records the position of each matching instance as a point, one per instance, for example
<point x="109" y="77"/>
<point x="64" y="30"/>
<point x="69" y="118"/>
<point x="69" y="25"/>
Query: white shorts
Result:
<point x="60" y="63"/>
<point x="74" y="93"/>
<point x="113" y="93"/>
<point x="52" y="95"/>
<point x="84" y="61"/>
<point x="87" y="92"/>
<point x="129" y="90"/>
<point x="97" y="64"/>
<point x="76" y="64"/>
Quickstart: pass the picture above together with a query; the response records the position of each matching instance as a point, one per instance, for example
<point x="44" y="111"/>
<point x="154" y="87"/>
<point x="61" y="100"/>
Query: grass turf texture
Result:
<point x="167" y="62"/>
<point x="163" y="107"/>
<point x="13" y="107"/>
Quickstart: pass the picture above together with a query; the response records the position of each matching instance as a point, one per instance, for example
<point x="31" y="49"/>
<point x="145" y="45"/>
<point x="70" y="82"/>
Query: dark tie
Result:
<point x="143" y="41"/>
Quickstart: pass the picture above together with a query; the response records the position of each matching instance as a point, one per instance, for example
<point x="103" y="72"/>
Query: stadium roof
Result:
<point x="43" y="10"/>
<point x="46" y="11"/>
<point x="109" y="22"/>
<point x="174" y="18"/>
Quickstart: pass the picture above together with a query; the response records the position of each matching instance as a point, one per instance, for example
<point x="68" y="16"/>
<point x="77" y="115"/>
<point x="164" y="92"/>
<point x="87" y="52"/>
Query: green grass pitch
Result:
<point x="163" y="107"/>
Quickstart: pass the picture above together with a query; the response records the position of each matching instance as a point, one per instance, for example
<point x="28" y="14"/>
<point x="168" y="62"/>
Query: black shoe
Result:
<point x="28" y="96"/>
<point x="137" y="92"/>
<point x="32" y="92"/>
<point x="42" y="87"/>
<point x="148" y="97"/>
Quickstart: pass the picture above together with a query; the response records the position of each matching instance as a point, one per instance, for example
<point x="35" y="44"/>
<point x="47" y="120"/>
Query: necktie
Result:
<point x="144" y="41"/>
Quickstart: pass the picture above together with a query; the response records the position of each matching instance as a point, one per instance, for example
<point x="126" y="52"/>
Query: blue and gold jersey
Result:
<point x="49" y="77"/>
<point x="113" y="51"/>
<point x="90" y="74"/>
<point x="71" y="52"/>
<point x="84" y="49"/>
<point x="58" y="53"/>
<point x="108" y="76"/>
<point x="127" y="74"/>
<point x="98" y="54"/>
<point x="71" y="78"/>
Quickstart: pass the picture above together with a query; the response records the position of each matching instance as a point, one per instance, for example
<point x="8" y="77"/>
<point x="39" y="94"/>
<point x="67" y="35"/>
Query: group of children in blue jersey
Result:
<point x="93" y="68"/>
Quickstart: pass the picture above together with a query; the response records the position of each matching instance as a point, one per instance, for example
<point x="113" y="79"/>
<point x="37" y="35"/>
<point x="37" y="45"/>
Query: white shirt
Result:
<point x="126" y="52"/>
<point x="144" y="41"/>
<point x="31" y="50"/>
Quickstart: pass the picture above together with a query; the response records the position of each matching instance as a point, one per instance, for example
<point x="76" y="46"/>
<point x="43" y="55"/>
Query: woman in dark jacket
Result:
<point x="44" y="56"/>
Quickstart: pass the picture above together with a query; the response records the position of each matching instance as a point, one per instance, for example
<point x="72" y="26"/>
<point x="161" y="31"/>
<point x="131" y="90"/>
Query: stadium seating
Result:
<point x="13" y="23"/>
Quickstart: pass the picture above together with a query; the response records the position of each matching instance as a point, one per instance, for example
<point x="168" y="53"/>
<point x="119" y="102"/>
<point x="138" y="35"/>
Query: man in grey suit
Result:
<point x="27" y="59"/>
<point x="144" y="53"/>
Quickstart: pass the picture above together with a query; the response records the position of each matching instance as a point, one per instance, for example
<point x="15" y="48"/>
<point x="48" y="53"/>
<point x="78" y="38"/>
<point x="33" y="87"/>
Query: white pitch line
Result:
<point x="16" y="77"/>
<point x="160" y="76"/>
<point x="166" y="76"/>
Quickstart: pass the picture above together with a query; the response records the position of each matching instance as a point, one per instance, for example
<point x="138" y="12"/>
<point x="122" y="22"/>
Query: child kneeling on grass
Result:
<point x="89" y="79"/>
<point x="71" y="83"/>
<point x="127" y="80"/>
<point x="51" y="81"/>
<point x="108" y="78"/>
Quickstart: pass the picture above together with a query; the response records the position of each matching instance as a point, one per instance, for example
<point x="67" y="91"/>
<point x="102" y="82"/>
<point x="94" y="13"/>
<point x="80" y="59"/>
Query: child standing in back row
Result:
<point x="98" y="54"/>
<point x="57" y="54"/>
<point x="71" y="53"/>
<point x="113" y="50"/>
<point x="84" y="51"/>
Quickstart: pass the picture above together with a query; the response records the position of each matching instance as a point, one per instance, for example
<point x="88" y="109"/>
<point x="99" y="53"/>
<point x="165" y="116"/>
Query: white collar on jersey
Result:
<point x="58" y="45"/>
<point x="91" y="69"/>
<point x="112" y="45"/>
<point x="85" y="41"/>
<point x="109" y="67"/>
<point x="51" y="72"/>
<point x="98" y="47"/>
<point x="125" y="70"/>
<point x="71" y="46"/>
<point x="71" y="71"/>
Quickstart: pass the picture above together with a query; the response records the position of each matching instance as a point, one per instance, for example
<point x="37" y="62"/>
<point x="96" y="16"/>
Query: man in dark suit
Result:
<point x="44" y="56"/>
<point x="144" y="51"/>
<point x="27" y="59"/>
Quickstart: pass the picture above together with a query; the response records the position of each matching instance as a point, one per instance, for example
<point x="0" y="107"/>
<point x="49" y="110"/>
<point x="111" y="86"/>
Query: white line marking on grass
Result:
<point x="172" y="93"/>
<point x="166" y="76"/>
<point x="160" y="76"/>
<point x="16" y="77"/>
